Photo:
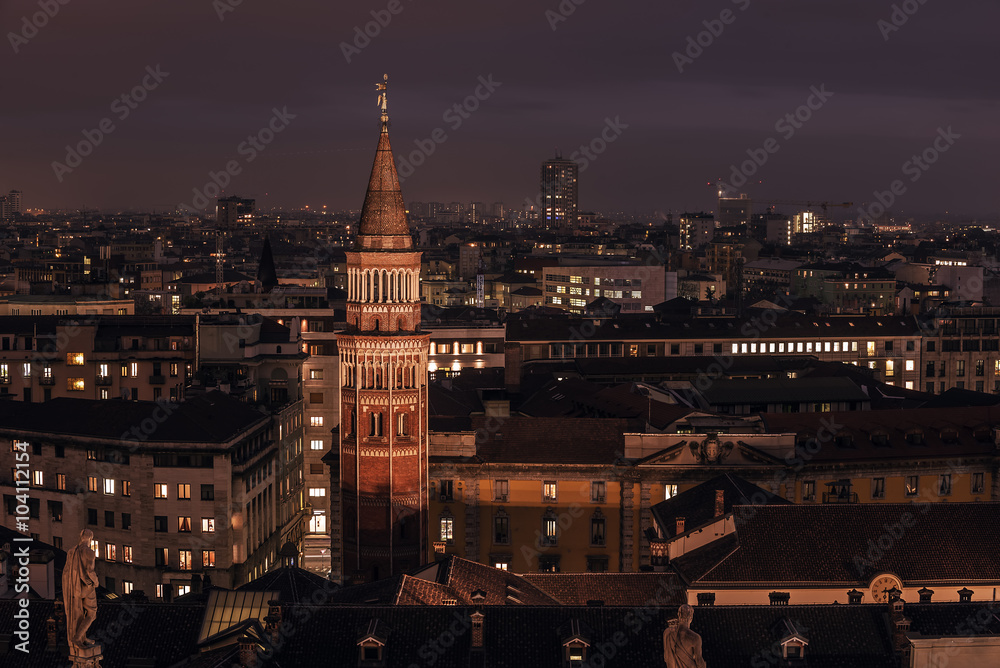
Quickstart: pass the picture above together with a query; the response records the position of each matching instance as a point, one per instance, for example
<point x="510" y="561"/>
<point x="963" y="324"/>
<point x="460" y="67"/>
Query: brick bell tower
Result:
<point x="383" y="380"/>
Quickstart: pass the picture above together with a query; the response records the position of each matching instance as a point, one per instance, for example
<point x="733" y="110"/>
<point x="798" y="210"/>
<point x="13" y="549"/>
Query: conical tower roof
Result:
<point x="383" y="217"/>
<point x="267" y="276"/>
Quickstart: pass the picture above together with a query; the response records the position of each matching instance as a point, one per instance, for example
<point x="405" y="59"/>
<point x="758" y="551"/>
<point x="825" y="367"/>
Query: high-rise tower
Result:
<point x="558" y="193"/>
<point x="383" y="378"/>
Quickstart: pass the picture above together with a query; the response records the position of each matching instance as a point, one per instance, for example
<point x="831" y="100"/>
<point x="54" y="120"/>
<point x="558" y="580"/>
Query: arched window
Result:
<point x="376" y="424"/>
<point x="376" y="324"/>
<point x="402" y="424"/>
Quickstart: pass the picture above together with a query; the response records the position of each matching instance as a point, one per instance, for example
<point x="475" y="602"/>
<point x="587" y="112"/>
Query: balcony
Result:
<point x="157" y="380"/>
<point x="838" y="497"/>
<point x="103" y="380"/>
<point x="46" y="380"/>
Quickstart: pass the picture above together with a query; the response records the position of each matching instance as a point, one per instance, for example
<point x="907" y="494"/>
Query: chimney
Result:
<point x="273" y="621"/>
<point x="680" y="526"/>
<point x="477" y="629"/>
<point x="248" y="653"/>
<point x="720" y="502"/>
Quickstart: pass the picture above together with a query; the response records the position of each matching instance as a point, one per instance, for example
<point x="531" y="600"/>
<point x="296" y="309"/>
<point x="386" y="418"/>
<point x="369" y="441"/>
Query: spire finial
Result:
<point x="382" y="99"/>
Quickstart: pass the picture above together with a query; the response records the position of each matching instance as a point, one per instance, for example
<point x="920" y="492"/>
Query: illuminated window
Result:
<point x="184" y="559"/>
<point x="317" y="491"/>
<point x="315" y="374"/>
<point x="124" y="370"/>
<point x="110" y="552"/>
<point x="61" y="481"/>
<point x="127" y="586"/>
<point x="26" y="369"/>
<point x="208" y="525"/>
<point x="669" y="491"/>
<point x="208" y="558"/>
<point x="910" y="365"/>
<point x="183" y="491"/>
<point x="184" y="524"/>
<point x="126" y="488"/>
<point x="549" y="490"/>
<point x="448" y="529"/>
<point x="109" y="486"/>
<point x="74" y="359"/>
<point x="92" y="483"/>
<point x="316" y="421"/>
<point x="316" y="444"/>
<point x="735" y="348"/>
<point x="75" y="384"/>
<point x="95" y="546"/>
<point x="134" y="369"/>
<point x="38" y="478"/>
<point x="160" y="490"/>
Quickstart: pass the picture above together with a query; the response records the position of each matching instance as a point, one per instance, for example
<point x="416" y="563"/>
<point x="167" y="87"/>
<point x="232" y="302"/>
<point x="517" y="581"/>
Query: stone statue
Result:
<point x="79" y="582"/>
<point x="681" y="645"/>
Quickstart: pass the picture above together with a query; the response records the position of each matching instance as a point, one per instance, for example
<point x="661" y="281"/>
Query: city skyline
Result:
<point x="693" y="113"/>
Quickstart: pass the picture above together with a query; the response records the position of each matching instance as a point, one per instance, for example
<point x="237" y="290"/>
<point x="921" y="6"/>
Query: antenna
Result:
<point x="383" y="100"/>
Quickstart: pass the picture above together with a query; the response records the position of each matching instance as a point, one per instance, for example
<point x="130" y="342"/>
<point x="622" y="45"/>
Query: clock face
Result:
<point x="881" y="585"/>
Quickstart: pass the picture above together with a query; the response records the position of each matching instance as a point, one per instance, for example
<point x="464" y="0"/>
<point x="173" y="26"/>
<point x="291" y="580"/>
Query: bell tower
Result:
<point x="383" y="379"/>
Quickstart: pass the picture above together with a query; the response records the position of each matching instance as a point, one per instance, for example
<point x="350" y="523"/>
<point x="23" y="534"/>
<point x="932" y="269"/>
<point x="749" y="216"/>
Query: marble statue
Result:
<point x="79" y="584"/>
<point x="681" y="645"/>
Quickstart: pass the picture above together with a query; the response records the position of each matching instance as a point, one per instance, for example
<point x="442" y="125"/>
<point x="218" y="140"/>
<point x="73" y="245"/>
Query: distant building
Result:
<point x="559" y="193"/>
<point x="233" y="213"/>
<point x="696" y="230"/>
<point x="734" y="211"/>
<point x="637" y="285"/>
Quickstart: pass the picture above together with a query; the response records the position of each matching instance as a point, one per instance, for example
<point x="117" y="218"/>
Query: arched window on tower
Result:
<point x="351" y="419"/>
<point x="376" y="424"/>
<point x="375" y="324"/>
<point x="402" y="424"/>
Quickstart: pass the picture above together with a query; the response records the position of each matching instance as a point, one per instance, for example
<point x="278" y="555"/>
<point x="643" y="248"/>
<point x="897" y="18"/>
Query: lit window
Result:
<point x="208" y="558"/>
<point x="184" y="558"/>
<point x="92" y="483"/>
<point x="316" y="421"/>
<point x="448" y="529"/>
<point x="126" y="488"/>
<point x="910" y="365"/>
<point x="316" y="444"/>
<point x="134" y="369"/>
<point x="208" y="525"/>
<point x="127" y="554"/>
<point x="315" y="374"/>
<point x="184" y="524"/>
<point x="669" y="491"/>
<point x="109" y="486"/>
<point x="127" y="586"/>
<point x="61" y="481"/>
<point x="317" y="491"/>
<point x="159" y="591"/>
<point x="549" y="490"/>
<point x="75" y="384"/>
<point x="38" y="478"/>
<point x="110" y="552"/>
<point x="183" y="491"/>
<point x="735" y="348"/>
<point x="74" y="359"/>
<point x="160" y="490"/>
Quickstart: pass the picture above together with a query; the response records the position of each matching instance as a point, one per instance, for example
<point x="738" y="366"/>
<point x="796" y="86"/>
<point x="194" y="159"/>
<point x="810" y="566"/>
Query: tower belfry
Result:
<point x="382" y="483"/>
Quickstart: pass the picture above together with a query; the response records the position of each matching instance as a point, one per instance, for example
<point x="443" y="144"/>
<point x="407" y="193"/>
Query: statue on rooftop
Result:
<point x="681" y="645"/>
<point x="79" y="584"/>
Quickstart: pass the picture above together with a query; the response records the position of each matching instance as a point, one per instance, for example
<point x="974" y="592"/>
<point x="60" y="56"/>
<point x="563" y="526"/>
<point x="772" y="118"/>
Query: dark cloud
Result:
<point x="607" y="59"/>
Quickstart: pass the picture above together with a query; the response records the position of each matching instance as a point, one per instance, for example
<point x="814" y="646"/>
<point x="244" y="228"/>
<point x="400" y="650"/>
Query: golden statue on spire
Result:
<point x="382" y="98"/>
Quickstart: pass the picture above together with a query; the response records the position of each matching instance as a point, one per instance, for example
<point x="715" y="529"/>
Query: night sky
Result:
<point x="606" y="60"/>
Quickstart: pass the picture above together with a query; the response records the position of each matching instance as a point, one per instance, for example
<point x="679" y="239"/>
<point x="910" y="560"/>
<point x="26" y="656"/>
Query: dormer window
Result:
<point x="964" y="595"/>
<point x="854" y="597"/>
<point x="371" y="644"/>
<point x="576" y="642"/>
<point x="779" y="597"/>
<point x="880" y="440"/>
<point x="949" y="436"/>
<point x="915" y="438"/>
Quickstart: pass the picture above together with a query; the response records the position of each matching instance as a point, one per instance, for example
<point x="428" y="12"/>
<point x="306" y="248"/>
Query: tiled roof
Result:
<point x="945" y="432"/>
<point x="697" y="505"/>
<point x="612" y="589"/>
<point x="556" y="440"/>
<point x="726" y="391"/>
<point x="210" y="418"/>
<point x="295" y="585"/>
<point x="943" y="541"/>
<point x="384" y="212"/>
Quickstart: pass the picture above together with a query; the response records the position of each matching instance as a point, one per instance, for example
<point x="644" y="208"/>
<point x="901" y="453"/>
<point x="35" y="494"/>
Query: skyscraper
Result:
<point x="558" y="193"/>
<point x="382" y="481"/>
<point x="234" y="212"/>
<point x="14" y="197"/>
